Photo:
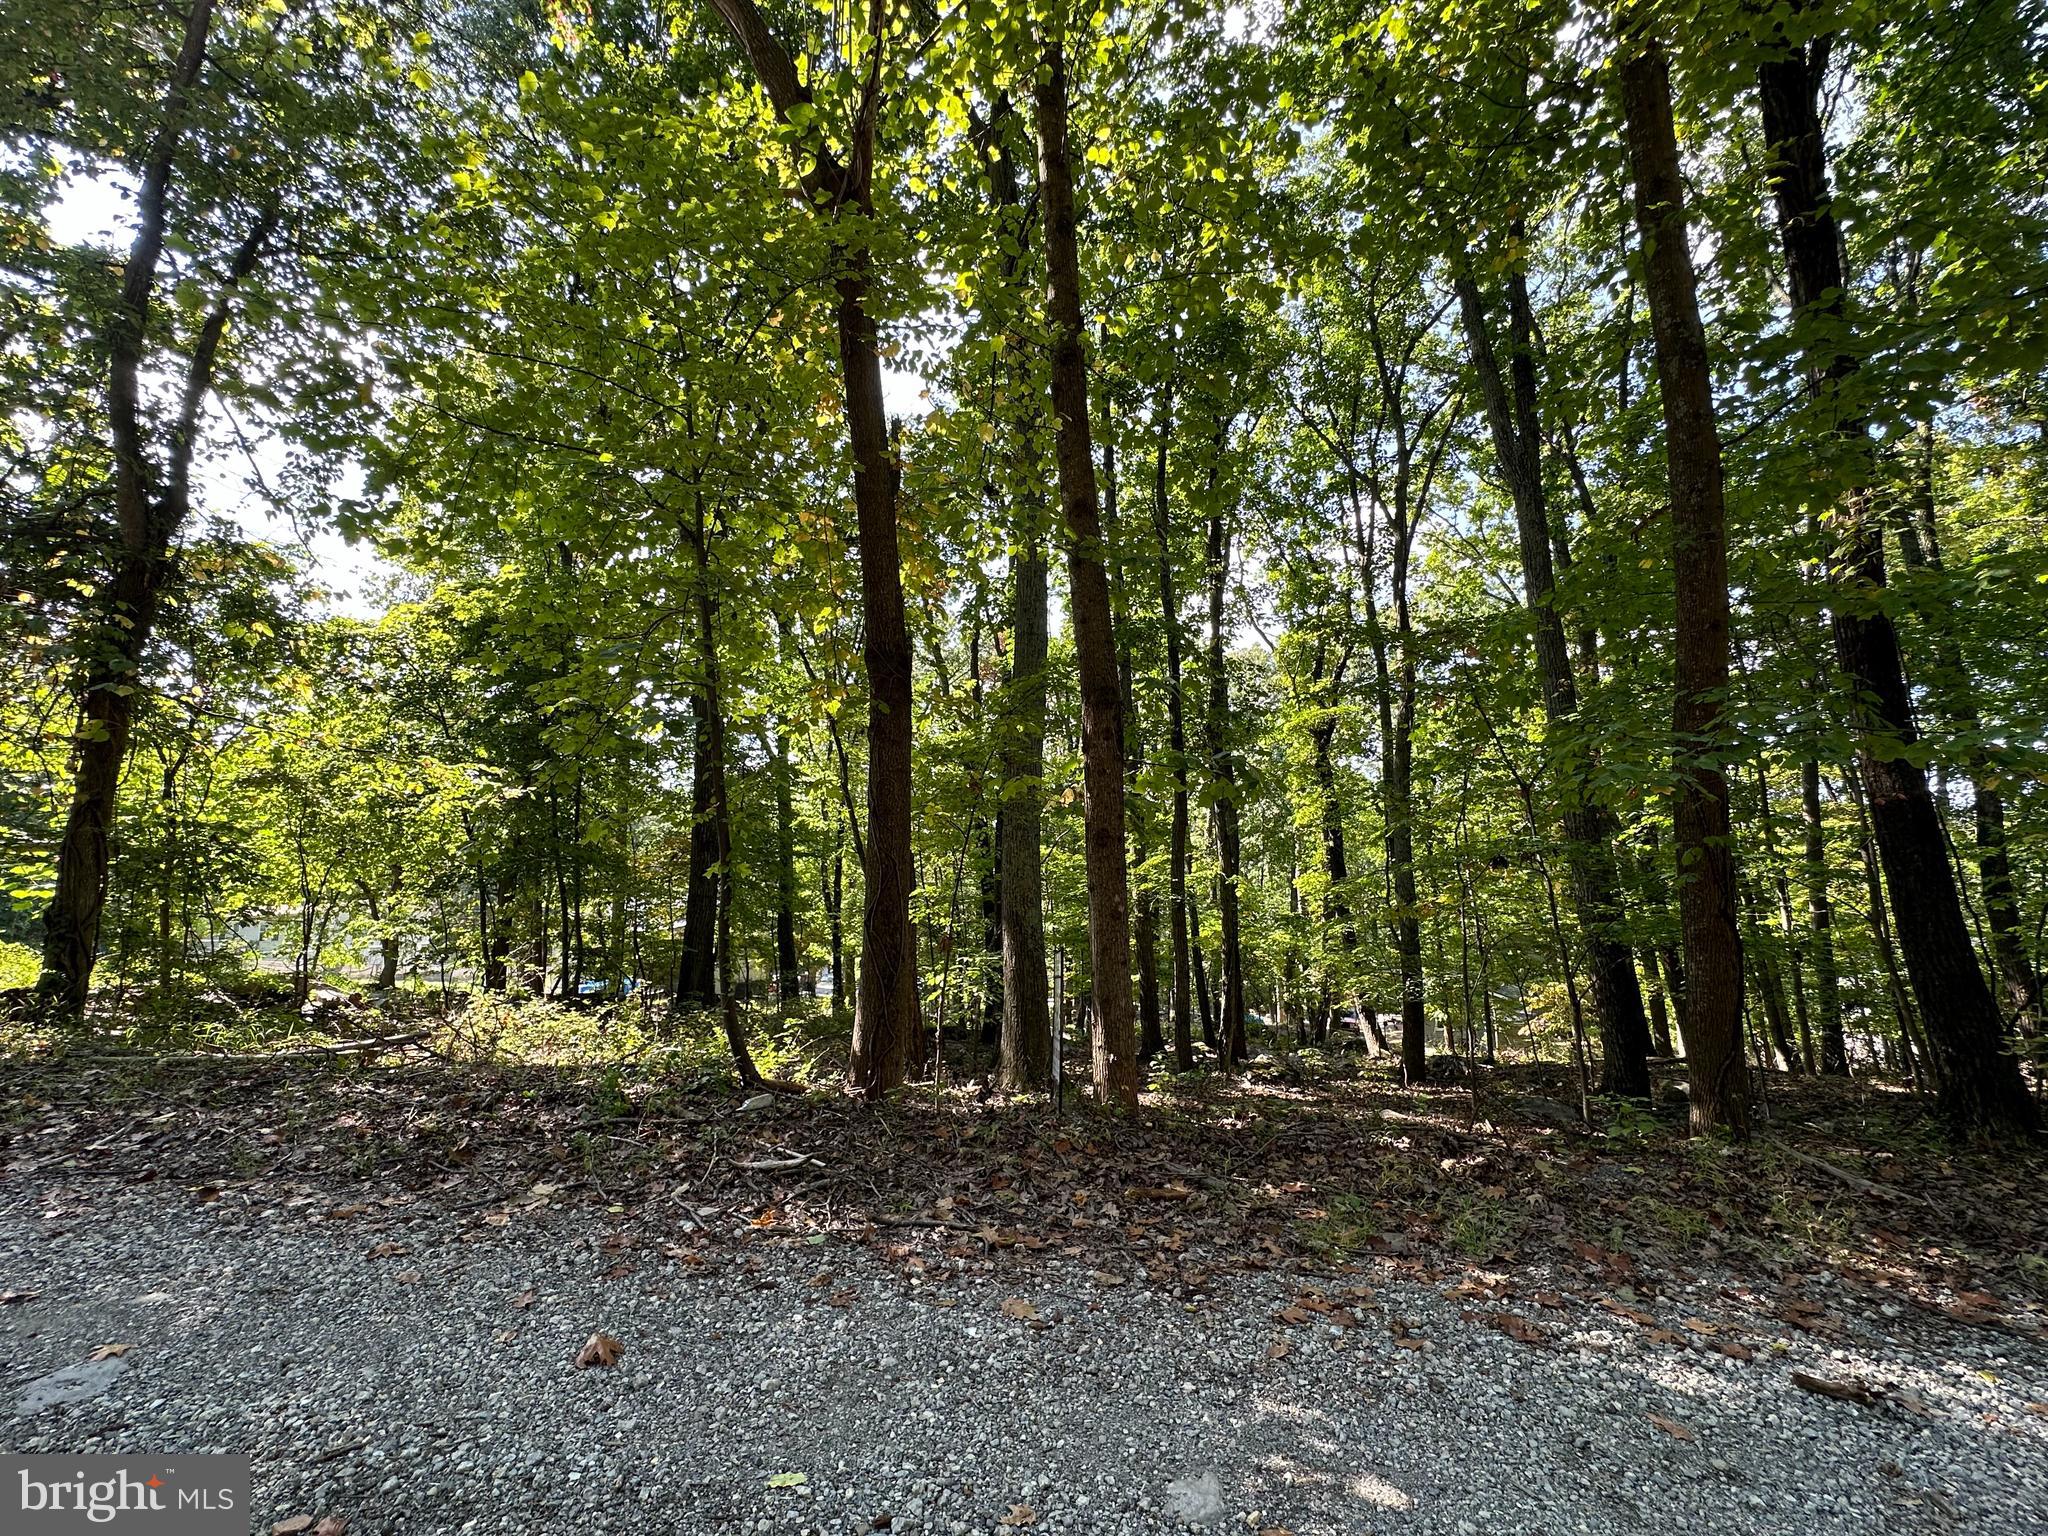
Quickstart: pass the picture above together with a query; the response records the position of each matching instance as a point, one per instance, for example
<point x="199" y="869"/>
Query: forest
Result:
<point x="1014" y="768"/>
<point x="1005" y="543"/>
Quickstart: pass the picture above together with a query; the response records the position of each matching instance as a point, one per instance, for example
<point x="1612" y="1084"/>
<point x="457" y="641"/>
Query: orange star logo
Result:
<point x="154" y="1481"/>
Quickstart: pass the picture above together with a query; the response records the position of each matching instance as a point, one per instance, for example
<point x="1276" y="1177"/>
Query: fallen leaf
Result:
<point x="2038" y="1409"/>
<point x="1104" y="1277"/>
<point x="386" y="1251"/>
<point x="1672" y="1427"/>
<point x="333" y="1525"/>
<point x="1735" y="1351"/>
<point x="1279" y="1349"/>
<point x="1019" y="1308"/>
<point x="1621" y="1309"/>
<point x="522" y="1301"/>
<point x="1020" y="1514"/>
<point x="293" y="1526"/>
<point x="1518" y="1328"/>
<point x="789" y="1480"/>
<point x="110" y="1352"/>
<point x="1852" y="1390"/>
<point x="599" y="1349"/>
<point x="10" y="1298"/>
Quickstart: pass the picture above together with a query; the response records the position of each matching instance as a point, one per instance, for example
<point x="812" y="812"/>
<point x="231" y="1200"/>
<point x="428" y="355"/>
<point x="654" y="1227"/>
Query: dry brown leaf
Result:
<point x="1104" y="1277"/>
<point x="599" y="1349"/>
<point x="1279" y="1349"/>
<point x="1412" y="1343"/>
<point x="1633" y="1314"/>
<point x="1020" y="1514"/>
<point x="386" y="1251"/>
<point x="1672" y="1427"/>
<point x="1518" y="1328"/>
<point x="1735" y="1351"/>
<point x="1019" y="1308"/>
<point x="293" y="1526"/>
<point x="110" y="1352"/>
<point x="2040" y="1409"/>
<point x="1852" y="1390"/>
<point x="522" y="1301"/>
<point x="333" y="1525"/>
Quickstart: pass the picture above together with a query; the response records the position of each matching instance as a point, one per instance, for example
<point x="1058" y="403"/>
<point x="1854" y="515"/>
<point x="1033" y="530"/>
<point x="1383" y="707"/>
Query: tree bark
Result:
<point x="1102" y="750"/>
<point x="1820" y="918"/>
<point x="697" y="956"/>
<point x="1980" y="1084"/>
<point x="1025" y="1049"/>
<point x="149" y="518"/>
<point x="885" y="1015"/>
<point x="1177" y="753"/>
<point x="1230" y="1041"/>
<point x="1956" y="699"/>
<point x="1516" y="428"/>
<point x="1712" y="1017"/>
<point x="788" y="979"/>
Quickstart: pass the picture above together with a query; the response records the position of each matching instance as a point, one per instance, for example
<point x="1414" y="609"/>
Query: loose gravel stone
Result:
<point x="812" y="1389"/>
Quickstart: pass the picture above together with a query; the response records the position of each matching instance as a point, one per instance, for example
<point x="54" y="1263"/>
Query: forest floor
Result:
<point x="1306" y="1299"/>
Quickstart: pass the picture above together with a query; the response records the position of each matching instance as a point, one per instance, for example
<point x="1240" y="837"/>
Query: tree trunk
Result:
<point x="1980" y="1084"/>
<point x="788" y="979"/>
<point x="1223" y="773"/>
<point x="1589" y="828"/>
<point x="149" y="518"/>
<point x="1102" y="749"/>
<point x="1712" y="1017"/>
<point x="1820" y="915"/>
<point x="884" y="1017"/>
<point x="1956" y="699"/>
<point x="697" y="957"/>
<point x="1027" y="1025"/>
<point x="1177" y="755"/>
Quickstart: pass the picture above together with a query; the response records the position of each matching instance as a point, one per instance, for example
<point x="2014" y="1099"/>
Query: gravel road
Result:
<point x="424" y="1391"/>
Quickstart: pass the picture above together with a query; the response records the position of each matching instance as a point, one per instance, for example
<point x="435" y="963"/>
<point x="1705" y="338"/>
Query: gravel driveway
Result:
<point x="424" y="1390"/>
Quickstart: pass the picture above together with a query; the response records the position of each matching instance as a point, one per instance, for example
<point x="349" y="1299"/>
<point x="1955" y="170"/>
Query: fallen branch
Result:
<point x="1853" y="1180"/>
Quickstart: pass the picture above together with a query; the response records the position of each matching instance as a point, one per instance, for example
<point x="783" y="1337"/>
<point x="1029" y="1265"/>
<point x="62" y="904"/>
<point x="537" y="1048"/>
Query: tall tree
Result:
<point x="1699" y="561"/>
<point x="153" y="503"/>
<point x="1979" y="1081"/>
<point x="1513" y="417"/>
<point x="1102" y="729"/>
<point x="839" y="185"/>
